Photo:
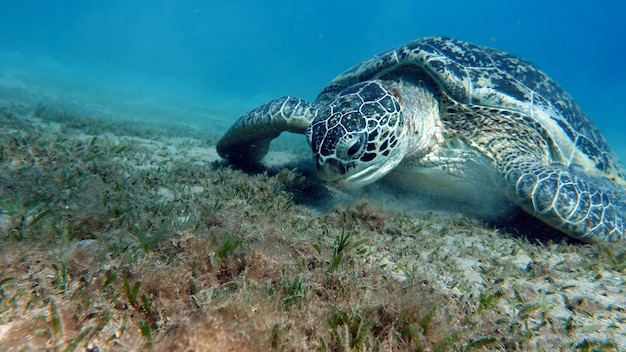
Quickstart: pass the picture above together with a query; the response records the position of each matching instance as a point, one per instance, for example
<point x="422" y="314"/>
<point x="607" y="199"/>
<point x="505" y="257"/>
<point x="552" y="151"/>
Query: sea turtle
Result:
<point x="450" y="114"/>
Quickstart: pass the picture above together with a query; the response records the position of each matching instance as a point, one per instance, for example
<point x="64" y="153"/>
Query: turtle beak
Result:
<point x="362" y="178"/>
<point x="352" y="175"/>
<point x="329" y="170"/>
<point x="341" y="175"/>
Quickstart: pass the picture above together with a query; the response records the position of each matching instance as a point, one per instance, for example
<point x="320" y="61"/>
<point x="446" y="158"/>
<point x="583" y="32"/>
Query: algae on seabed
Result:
<point x="116" y="236"/>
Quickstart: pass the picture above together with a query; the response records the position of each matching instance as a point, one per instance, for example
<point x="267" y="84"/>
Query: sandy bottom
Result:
<point x="119" y="235"/>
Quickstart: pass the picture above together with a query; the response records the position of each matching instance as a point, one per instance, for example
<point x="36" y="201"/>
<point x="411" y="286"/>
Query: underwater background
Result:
<point x="121" y="229"/>
<point x="229" y="56"/>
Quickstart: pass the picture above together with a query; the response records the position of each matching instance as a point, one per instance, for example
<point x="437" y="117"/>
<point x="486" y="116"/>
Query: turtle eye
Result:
<point x="351" y="147"/>
<point x="356" y="146"/>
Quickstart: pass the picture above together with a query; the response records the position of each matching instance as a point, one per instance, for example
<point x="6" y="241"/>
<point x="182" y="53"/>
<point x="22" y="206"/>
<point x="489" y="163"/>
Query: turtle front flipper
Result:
<point x="248" y="140"/>
<point x="586" y="207"/>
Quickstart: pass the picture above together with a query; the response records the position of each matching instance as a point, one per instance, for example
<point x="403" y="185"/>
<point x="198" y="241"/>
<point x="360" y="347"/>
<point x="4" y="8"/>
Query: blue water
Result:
<point x="233" y="55"/>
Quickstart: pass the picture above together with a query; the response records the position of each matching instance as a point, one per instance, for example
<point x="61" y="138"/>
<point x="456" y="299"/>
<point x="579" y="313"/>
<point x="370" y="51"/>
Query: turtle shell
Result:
<point x="477" y="75"/>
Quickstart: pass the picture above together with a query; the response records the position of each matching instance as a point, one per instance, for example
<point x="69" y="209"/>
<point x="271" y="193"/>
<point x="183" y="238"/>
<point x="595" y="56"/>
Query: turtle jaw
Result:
<point x="338" y="174"/>
<point x="364" y="177"/>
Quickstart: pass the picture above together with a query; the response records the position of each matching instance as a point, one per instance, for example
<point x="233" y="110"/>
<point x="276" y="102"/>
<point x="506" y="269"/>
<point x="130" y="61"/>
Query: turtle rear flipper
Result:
<point x="564" y="195"/>
<point x="583" y="206"/>
<point x="248" y="140"/>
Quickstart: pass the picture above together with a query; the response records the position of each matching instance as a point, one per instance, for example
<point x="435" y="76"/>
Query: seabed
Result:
<point x="117" y="236"/>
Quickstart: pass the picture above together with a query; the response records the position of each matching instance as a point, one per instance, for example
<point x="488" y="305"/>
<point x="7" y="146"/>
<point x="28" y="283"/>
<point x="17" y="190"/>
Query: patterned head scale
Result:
<point x="357" y="138"/>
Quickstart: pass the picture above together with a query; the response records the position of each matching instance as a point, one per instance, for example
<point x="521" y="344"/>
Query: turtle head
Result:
<point x="360" y="136"/>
